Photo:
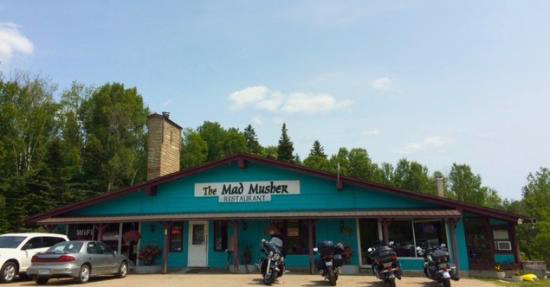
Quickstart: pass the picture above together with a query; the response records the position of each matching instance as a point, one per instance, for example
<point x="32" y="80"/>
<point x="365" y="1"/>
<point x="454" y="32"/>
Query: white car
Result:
<point x="17" y="250"/>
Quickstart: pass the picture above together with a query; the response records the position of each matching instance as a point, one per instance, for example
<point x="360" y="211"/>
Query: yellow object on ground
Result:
<point x="529" y="278"/>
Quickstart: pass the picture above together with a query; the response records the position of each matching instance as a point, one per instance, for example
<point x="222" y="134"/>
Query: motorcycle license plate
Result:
<point x="446" y="275"/>
<point x="328" y="263"/>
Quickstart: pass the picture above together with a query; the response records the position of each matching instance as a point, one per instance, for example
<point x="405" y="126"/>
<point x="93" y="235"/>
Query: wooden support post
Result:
<point x="454" y="246"/>
<point x="100" y="228"/>
<point x="166" y="246"/>
<point x="515" y="243"/>
<point x="310" y="246"/>
<point x="386" y="230"/>
<point x="236" y="246"/>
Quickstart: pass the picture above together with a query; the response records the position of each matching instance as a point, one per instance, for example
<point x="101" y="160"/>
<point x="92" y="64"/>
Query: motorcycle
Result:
<point x="385" y="265"/>
<point x="332" y="257"/>
<point x="437" y="266"/>
<point x="272" y="266"/>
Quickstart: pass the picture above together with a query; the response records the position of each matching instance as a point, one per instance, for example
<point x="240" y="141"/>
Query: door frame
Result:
<point x="206" y="224"/>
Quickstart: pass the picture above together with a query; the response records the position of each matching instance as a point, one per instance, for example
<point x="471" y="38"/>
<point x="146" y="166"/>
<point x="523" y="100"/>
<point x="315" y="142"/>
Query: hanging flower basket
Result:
<point x="131" y="236"/>
<point x="148" y="254"/>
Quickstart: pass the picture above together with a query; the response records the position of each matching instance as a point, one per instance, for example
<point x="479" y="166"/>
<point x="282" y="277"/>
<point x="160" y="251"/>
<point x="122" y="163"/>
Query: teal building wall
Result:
<point x="316" y="194"/>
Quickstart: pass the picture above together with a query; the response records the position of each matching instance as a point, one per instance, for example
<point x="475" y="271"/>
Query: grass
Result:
<point x="541" y="283"/>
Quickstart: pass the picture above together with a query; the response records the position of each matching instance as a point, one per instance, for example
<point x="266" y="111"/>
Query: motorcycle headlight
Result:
<point x="276" y="256"/>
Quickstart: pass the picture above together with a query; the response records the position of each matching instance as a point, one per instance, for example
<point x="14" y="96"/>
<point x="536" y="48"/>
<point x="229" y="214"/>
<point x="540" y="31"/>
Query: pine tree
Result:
<point x="317" y="150"/>
<point x="252" y="143"/>
<point x="285" y="150"/>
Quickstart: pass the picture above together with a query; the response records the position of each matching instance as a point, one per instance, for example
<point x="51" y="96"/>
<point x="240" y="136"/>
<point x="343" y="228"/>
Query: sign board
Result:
<point x="247" y="191"/>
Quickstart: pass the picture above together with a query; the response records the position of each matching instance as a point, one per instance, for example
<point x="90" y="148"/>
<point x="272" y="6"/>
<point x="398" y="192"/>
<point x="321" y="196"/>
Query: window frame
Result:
<point x="223" y="226"/>
<point x="444" y="225"/>
<point x="282" y="225"/>
<point x="172" y="248"/>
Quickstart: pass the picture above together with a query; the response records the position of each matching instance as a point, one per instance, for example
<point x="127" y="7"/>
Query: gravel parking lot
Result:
<point x="233" y="280"/>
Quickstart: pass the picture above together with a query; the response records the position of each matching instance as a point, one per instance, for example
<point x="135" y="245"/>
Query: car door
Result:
<point x="111" y="264"/>
<point x="95" y="257"/>
<point x="33" y="246"/>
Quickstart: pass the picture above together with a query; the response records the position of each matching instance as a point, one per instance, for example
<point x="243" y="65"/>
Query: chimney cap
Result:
<point x="166" y="118"/>
<point x="166" y="114"/>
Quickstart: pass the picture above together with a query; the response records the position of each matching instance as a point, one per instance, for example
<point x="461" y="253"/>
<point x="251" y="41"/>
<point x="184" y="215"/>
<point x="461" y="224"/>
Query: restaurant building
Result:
<point x="214" y="216"/>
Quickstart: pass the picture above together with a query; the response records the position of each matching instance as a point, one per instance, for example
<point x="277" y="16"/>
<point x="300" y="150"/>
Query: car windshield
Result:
<point x="11" y="241"/>
<point x="65" y="247"/>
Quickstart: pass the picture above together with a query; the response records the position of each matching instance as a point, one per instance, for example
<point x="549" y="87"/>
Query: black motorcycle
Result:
<point x="437" y="266"/>
<point x="272" y="265"/>
<point x="385" y="265"/>
<point x="332" y="257"/>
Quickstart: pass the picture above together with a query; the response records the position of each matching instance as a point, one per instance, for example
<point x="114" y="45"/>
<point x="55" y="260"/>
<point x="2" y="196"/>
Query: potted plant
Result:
<point x="500" y="272"/>
<point x="148" y="254"/>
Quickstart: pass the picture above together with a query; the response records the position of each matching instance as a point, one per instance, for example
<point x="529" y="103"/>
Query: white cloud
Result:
<point x="263" y="98"/>
<point x="371" y="132"/>
<point x="431" y="144"/>
<point x="382" y="84"/>
<point x="13" y="42"/>
<point x="242" y="98"/>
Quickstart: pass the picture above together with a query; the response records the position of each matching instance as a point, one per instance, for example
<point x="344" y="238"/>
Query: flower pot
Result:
<point x="501" y="275"/>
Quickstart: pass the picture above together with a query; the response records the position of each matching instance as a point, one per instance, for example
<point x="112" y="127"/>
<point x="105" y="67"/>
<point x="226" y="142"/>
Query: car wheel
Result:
<point x="122" y="270"/>
<point x="42" y="280"/>
<point x="84" y="274"/>
<point x="8" y="272"/>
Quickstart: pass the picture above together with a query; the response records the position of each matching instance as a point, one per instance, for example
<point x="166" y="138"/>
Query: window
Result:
<point x="34" y="243"/>
<point x="66" y="247"/>
<point x="502" y="240"/>
<point x="11" y="241"/>
<point x="429" y="233"/>
<point x="176" y="238"/>
<point x="407" y="234"/>
<point x="295" y="236"/>
<point x="92" y="248"/>
<point x="401" y="233"/>
<point x="220" y="235"/>
<point x="198" y="234"/>
<point x="51" y="241"/>
<point x="104" y="248"/>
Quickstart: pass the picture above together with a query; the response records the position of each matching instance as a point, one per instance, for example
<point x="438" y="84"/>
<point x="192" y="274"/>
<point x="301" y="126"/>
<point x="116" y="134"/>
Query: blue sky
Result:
<point x="433" y="81"/>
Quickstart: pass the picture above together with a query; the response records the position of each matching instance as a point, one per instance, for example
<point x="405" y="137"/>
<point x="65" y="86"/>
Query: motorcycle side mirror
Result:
<point x="315" y="249"/>
<point x="370" y="250"/>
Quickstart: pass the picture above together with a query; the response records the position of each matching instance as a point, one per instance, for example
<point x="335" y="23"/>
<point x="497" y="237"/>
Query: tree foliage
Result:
<point x="285" y="149"/>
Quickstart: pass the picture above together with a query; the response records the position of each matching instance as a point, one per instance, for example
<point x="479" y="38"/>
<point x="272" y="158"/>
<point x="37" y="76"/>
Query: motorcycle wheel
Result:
<point x="332" y="277"/>
<point x="269" y="278"/>
<point x="391" y="282"/>
<point x="281" y="270"/>
<point x="263" y="267"/>
<point x="447" y="282"/>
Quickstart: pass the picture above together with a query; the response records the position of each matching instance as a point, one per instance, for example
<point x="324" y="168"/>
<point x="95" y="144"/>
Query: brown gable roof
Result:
<point x="459" y="205"/>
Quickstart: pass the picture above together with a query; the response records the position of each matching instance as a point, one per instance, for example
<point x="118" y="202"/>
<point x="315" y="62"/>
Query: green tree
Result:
<point x="194" y="150"/>
<point x="27" y="124"/>
<point x="413" y="176"/>
<point x="535" y="239"/>
<point x="362" y="167"/>
<point x="466" y="186"/>
<point x="214" y="136"/>
<point x="285" y="149"/>
<point x="252" y="143"/>
<point x="269" y="152"/>
<point x="113" y="120"/>
<point x="317" y="158"/>
<point x="339" y="162"/>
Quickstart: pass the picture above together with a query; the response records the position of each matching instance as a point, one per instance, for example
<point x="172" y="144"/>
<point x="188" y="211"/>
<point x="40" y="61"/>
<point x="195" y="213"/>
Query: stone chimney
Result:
<point x="439" y="186"/>
<point x="163" y="145"/>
